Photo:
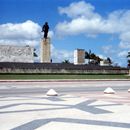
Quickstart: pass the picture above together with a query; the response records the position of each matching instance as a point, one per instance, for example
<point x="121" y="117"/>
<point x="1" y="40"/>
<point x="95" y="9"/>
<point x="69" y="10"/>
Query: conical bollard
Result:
<point x="109" y="91"/>
<point x="52" y="92"/>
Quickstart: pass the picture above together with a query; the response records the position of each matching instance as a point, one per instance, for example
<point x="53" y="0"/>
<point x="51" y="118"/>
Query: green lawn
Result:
<point x="62" y="76"/>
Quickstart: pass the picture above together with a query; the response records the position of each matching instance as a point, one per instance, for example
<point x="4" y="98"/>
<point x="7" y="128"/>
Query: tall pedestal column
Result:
<point x="45" y="51"/>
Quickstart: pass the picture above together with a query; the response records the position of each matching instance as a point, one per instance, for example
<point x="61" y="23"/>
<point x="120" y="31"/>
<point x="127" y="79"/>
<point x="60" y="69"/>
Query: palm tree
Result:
<point x="128" y="56"/>
<point x="66" y="61"/>
<point x="34" y="53"/>
<point x="98" y="59"/>
<point x="95" y="59"/>
<point x="109" y="60"/>
<point x="88" y="55"/>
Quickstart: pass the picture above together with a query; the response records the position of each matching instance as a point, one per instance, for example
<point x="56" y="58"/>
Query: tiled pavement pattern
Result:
<point x="80" y="111"/>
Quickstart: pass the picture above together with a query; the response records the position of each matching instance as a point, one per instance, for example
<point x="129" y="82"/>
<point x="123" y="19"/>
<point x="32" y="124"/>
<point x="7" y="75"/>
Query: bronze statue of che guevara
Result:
<point x="45" y="29"/>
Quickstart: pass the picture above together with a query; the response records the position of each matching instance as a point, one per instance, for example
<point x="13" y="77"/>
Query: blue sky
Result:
<point x="100" y="25"/>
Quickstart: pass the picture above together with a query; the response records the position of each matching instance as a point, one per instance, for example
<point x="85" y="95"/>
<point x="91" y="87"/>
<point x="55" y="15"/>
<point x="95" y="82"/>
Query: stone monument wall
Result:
<point x="9" y="53"/>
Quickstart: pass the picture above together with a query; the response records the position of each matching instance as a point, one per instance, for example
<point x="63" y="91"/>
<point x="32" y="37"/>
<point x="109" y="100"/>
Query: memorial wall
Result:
<point x="9" y="53"/>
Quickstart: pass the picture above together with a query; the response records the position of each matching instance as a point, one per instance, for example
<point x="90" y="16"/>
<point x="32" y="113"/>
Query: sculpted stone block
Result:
<point x="9" y="53"/>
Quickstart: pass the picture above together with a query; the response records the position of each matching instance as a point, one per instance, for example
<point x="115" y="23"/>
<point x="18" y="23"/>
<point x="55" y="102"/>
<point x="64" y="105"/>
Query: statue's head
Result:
<point x="46" y="23"/>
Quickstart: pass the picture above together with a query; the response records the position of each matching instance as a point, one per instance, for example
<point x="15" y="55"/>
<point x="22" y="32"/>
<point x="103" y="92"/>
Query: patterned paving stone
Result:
<point x="74" y="112"/>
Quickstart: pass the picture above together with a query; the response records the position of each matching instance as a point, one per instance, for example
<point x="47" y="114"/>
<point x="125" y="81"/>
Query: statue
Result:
<point x="45" y="29"/>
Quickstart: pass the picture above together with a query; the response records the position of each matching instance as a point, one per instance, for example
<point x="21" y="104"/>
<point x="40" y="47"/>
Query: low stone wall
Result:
<point x="64" y="71"/>
<point x="61" y="68"/>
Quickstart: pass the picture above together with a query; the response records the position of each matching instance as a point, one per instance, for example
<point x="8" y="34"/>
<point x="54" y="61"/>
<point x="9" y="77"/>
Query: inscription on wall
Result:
<point x="10" y="53"/>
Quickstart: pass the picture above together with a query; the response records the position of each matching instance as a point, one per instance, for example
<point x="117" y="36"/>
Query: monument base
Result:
<point x="45" y="51"/>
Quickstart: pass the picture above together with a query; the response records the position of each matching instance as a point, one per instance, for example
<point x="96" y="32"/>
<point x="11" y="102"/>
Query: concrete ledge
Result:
<point x="65" y="80"/>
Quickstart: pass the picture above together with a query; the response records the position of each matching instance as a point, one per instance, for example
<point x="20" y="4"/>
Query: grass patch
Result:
<point x="62" y="76"/>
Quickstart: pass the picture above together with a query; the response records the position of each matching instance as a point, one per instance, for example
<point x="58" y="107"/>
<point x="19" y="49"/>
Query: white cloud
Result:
<point x="125" y="40"/>
<point x="78" y="9"/>
<point x="26" y="33"/>
<point x="109" y="50"/>
<point x="85" y="20"/>
<point x="79" y="26"/>
<point x="124" y="45"/>
<point x="50" y="34"/>
<point x="125" y="36"/>
<point x="26" y="30"/>
<point x="123" y="54"/>
<point x="117" y="22"/>
<point x="61" y="55"/>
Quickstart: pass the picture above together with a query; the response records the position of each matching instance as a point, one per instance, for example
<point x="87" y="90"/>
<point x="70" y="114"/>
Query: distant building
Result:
<point x="105" y="63"/>
<point x="10" y="53"/>
<point x="79" y="56"/>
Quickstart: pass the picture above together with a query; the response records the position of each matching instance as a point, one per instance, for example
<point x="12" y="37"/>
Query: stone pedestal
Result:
<point x="45" y="51"/>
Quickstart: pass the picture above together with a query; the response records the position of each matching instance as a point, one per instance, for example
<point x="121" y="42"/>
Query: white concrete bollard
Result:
<point x="109" y="91"/>
<point x="52" y="92"/>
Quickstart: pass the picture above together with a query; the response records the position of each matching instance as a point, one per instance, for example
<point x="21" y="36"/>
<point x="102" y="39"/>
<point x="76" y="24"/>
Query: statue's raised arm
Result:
<point x="45" y="29"/>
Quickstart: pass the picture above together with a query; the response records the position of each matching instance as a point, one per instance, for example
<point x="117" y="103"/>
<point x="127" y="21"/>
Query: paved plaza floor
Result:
<point x="86" y="110"/>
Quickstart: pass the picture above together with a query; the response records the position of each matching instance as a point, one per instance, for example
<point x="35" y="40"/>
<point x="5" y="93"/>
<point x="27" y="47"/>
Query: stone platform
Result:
<point x="79" y="111"/>
<point x="60" y="68"/>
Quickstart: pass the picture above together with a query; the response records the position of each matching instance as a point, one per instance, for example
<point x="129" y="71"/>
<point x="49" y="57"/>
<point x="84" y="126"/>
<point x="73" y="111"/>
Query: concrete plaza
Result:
<point x="80" y="105"/>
